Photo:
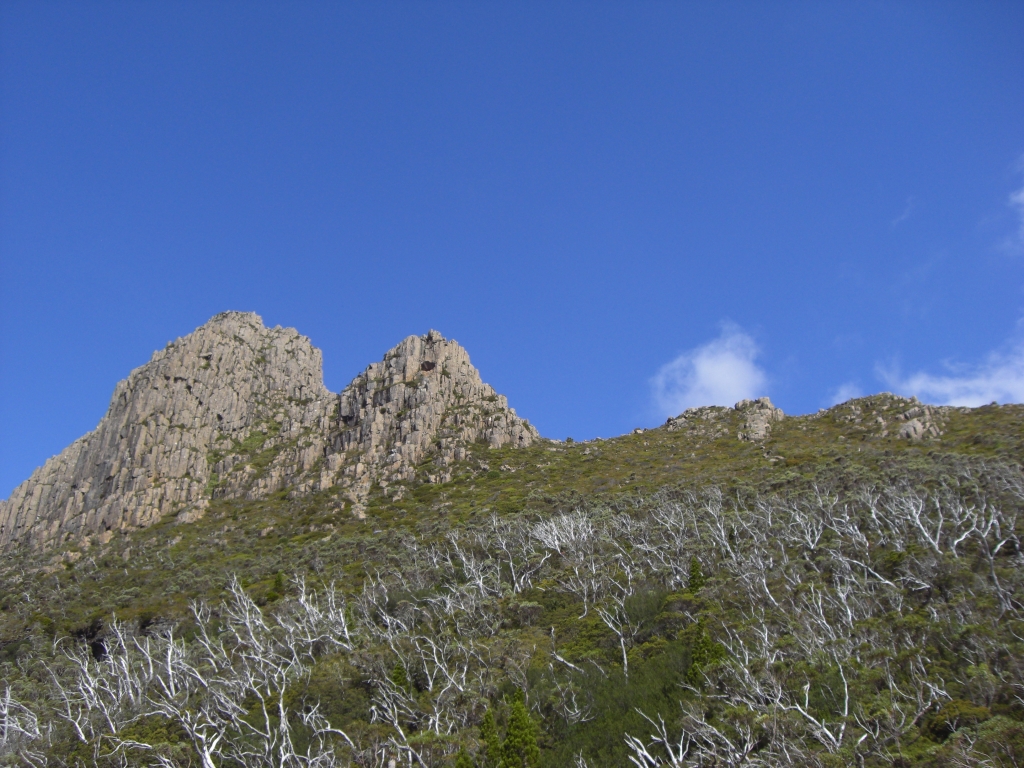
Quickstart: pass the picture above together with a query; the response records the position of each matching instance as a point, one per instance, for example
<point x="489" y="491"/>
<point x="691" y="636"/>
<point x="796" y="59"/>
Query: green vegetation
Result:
<point x="835" y="595"/>
<point x="520" y="749"/>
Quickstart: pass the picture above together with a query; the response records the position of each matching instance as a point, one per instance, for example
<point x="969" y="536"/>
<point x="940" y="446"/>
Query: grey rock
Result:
<point x="759" y="415"/>
<point x="424" y="400"/>
<point x="708" y="421"/>
<point x="148" y="456"/>
<point x="921" y="422"/>
<point x="237" y="410"/>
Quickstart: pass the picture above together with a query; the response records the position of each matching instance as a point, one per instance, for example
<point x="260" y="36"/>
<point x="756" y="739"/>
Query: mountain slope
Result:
<point x="735" y="587"/>
<point x="237" y="410"/>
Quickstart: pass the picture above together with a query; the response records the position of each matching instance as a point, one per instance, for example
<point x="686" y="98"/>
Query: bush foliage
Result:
<point x="802" y="601"/>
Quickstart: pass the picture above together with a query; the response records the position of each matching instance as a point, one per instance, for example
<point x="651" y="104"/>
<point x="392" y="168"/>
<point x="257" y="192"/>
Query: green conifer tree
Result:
<point x="492" y="742"/>
<point x="696" y="580"/>
<point x="463" y="760"/>
<point x="703" y="652"/>
<point x="400" y="678"/>
<point x="520" y="748"/>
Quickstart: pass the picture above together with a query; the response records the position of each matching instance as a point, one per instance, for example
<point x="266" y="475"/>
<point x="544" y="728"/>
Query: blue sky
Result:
<point x="620" y="209"/>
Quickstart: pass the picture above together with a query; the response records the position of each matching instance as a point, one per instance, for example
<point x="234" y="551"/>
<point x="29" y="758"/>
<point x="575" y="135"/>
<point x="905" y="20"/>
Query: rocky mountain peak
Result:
<point x="149" y="454"/>
<point x="238" y="410"/>
<point x="424" y="400"/>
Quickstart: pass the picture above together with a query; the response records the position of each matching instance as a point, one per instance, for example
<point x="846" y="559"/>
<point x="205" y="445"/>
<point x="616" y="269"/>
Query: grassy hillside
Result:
<point x="836" y="594"/>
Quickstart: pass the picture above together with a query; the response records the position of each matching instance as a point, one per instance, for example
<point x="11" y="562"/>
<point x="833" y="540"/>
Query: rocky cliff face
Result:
<point x="213" y="390"/>
<point x="235" y="409"/>
<point x="423" y="401"/>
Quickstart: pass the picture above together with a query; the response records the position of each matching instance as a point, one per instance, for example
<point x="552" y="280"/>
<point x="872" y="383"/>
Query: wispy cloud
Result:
<point x="845" y="392"/>
<point x="907" y="210"/>
<point x="1000" y="378"/>
<point x="720" y="372"/>
<point x="1016" y="202"/>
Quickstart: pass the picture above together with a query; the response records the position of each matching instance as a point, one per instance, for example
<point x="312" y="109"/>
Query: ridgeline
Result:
<point x="239" y="567"/>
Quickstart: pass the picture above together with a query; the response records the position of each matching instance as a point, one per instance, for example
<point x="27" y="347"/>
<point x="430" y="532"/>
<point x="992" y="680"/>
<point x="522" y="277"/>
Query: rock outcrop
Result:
<point x="237" y="410"/>
<point x="920" y="422"/>
<point x="150" y="454"/>
<point x="758" y="417"/>
<point x="704" y="422"/>
<point x="423" y="401"/>
<point x="887" y="414"/>
<point x="713" y="421"/>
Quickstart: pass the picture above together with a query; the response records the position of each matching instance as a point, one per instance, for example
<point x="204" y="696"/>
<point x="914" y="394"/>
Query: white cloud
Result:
<point x="845" y="392"/>
<point x="720" y="372"/>
<point x="999" y="378"/>
<point x="1017" y="203"/>
<point x="907" y="210"/>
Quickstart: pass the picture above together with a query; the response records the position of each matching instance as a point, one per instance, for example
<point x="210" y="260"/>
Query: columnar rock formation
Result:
<point x="149" y="454"/>
<point x="424" y="400"/>
<point x="237" y="410"/>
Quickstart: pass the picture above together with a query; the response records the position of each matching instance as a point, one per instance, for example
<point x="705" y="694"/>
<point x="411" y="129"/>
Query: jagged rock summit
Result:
<point x="423" y="397"/>
<point x="238" y="410"/>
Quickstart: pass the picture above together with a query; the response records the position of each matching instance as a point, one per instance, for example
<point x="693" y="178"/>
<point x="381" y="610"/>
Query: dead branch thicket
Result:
<point x="841" y="623"/>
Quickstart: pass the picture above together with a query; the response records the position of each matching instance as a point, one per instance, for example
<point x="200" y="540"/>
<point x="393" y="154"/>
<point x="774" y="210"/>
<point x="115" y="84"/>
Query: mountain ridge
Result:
<point x="238" y="410"/>
<point x="734" y="578"/>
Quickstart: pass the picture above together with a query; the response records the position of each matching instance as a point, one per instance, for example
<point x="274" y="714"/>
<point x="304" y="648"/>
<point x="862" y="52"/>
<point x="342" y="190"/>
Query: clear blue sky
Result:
<point x="620" y="209"/>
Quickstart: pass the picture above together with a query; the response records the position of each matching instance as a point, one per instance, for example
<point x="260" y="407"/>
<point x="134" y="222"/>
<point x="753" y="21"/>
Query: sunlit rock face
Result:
<point x="424" y="400"/>
<point x="759" y="415"/>
<point x="149" y="455"/>
<point x="238" y="410"/>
